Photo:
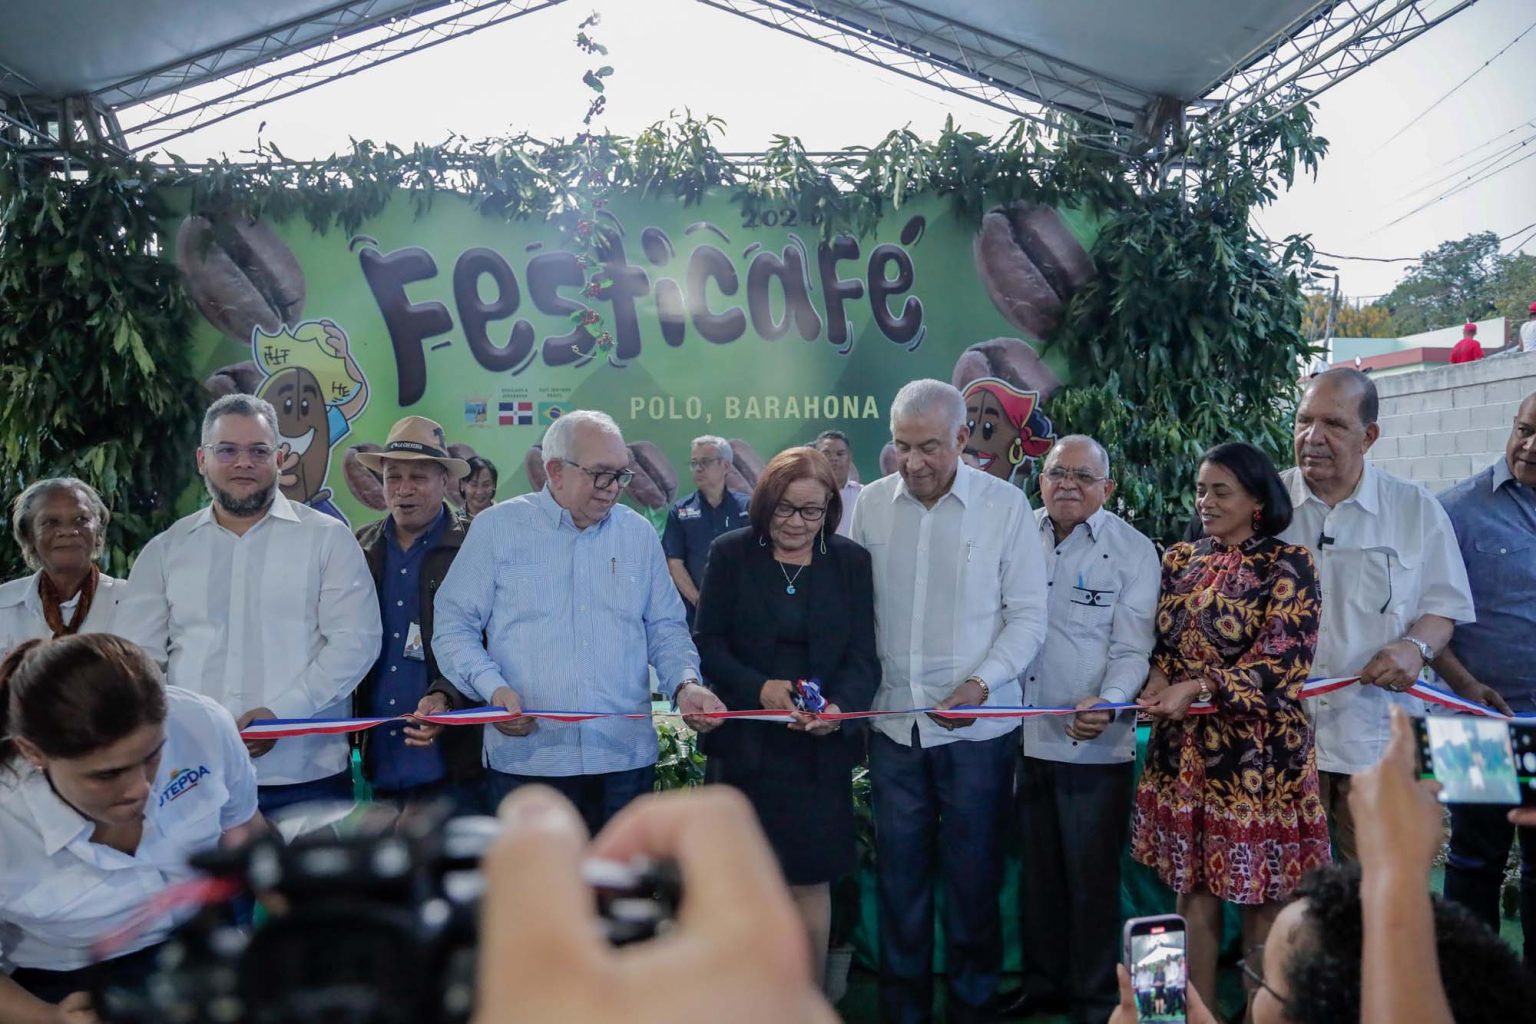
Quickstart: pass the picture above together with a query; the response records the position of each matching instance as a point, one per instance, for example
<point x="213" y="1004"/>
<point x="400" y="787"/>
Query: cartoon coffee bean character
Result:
<point x="317" y="389"/>
<point x="303" y="435"/>
<point x="1006" y="426"/>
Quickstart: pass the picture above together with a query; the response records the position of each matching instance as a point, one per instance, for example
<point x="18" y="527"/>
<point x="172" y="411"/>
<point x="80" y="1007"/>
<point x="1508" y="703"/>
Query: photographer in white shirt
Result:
<point x="109" y="782"/>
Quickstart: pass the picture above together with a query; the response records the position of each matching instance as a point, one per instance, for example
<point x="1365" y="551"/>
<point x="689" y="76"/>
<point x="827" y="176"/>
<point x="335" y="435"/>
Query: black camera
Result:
<point x="371" y="920"/>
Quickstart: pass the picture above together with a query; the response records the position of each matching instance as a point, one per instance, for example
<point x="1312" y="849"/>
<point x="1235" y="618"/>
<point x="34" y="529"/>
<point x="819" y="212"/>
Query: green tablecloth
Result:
<point x="1142" y="894"/>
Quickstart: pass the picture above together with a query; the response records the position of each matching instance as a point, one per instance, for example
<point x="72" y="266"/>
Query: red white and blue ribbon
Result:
<point x="278" y="728"/>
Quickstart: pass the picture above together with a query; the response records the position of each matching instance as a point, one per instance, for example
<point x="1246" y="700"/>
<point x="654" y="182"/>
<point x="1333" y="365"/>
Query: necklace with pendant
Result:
<point x="789" y="580"/>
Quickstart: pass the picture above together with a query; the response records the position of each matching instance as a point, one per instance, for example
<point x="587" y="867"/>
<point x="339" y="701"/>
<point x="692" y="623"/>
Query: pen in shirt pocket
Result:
<point x="968" y="547"/>
<point x="613" y="567"/>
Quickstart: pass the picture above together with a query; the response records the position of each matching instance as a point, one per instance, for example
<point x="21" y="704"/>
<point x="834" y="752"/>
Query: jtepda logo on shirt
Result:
<point x="182" y="781"/>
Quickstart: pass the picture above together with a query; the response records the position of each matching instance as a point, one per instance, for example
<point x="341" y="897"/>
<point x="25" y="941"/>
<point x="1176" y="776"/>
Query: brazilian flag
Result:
<point x="550" y="411"/>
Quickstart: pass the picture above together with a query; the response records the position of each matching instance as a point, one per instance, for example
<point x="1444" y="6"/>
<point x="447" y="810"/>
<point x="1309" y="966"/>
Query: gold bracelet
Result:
<point x="986" y="691"/>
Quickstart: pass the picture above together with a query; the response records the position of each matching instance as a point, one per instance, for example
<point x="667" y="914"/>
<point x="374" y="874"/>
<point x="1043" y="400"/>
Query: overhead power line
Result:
<point x="1475" y="167"/>
<point x="1454" y="88"/>
<point x="1413" y="259"/>
<point x="1478" y="180"/>
<point x="1527" y="123"/>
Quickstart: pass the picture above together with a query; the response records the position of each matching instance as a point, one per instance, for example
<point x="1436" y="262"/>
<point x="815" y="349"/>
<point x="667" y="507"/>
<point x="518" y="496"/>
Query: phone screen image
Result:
<point x="1473" y="760"/>
<point x="1158" y="974"/>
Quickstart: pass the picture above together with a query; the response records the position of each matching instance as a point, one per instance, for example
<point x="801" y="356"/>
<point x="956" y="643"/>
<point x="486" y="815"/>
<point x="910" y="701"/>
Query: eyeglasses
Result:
<point x="603" y="479"/>
<point x="1257" y="976"/>
<point x="226" y="454"/>
<point x="810" y="513"/>
<point x="1081" y="476"/>
<point x="703" y="463"/>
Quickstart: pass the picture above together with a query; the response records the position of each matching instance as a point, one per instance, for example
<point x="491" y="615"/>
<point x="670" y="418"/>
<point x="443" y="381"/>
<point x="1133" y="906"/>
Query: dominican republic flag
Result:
<point x="515" y="414"/>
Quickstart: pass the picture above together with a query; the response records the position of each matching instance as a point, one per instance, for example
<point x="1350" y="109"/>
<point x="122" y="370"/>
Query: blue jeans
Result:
<point x="953" y="798"/>
<point x="598" y="797"/>
<point x="271" y="799"/>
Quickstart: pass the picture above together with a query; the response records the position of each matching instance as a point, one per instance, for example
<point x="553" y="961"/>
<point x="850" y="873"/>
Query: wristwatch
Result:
<point x="1204" y="696"/>
<point x="1425" y="651"/>
<point x="986" y="691"/>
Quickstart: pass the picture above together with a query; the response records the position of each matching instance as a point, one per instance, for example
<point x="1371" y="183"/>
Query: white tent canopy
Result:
<point x="75" y="72"/>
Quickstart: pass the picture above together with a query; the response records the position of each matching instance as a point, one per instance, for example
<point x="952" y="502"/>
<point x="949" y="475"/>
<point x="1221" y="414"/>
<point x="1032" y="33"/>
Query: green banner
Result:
<point x="699" y="319"/>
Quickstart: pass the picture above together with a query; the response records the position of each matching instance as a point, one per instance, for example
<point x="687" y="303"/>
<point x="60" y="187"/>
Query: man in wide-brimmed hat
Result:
<point x="408" y="553"/>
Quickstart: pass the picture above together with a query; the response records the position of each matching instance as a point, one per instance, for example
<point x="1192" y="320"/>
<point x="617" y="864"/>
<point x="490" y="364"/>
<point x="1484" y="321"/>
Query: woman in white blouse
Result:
<point x="109" y="782"/>
<point x="60" y="524"/>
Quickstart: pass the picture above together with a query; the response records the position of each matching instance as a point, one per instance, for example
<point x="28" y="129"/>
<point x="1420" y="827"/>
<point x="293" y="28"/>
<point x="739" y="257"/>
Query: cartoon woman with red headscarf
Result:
<point x="1006" y="426"/>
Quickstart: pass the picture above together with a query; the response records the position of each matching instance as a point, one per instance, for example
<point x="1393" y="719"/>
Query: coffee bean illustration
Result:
<point x="1008" y="359"/>
<point x="234" y="379"/>
<point x="1030" y="264"/>
<point x="240" y="275"/>
<point x="533" y="467"/>
<point x="749" y="465"/>
<point x="364" y="484"/>
<point x="655" y="482"/>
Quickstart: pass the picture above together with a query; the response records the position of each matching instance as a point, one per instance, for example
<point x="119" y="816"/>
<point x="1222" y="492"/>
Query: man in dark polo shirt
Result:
<point x="695" y="521"/>
<point x="1494" y="515"/>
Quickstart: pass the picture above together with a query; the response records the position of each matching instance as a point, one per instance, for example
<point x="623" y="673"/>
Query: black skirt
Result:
<point x="800" y="785"/>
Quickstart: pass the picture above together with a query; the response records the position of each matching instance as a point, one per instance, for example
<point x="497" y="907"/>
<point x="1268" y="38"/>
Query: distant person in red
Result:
<point x="1467" y="349"/>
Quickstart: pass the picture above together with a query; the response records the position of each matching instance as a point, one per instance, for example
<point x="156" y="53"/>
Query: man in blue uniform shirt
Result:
<point x="695" y="521"/>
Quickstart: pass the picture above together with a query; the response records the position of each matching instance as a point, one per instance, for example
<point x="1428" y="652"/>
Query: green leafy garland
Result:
<point x="1190" y="336"/>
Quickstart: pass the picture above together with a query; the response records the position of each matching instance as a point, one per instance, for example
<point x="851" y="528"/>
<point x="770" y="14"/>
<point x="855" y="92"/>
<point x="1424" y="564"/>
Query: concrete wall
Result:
<point x="1442" y="425"/>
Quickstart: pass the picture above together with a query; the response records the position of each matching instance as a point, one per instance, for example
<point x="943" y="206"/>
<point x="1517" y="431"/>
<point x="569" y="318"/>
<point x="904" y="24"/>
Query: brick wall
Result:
<point x="1442" y="425"/>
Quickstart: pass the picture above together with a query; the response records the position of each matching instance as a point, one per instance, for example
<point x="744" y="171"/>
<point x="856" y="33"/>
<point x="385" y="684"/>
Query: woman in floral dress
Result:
<point x="1227" y="809"/>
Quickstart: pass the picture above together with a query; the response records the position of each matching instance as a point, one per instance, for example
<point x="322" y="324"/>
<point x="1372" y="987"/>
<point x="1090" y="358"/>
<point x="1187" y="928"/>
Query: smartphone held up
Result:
<point x="1479" y="760"/>
<point x="1157" y="960"/>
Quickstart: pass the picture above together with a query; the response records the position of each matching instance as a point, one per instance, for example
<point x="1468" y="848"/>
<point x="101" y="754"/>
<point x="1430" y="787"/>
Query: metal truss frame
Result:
<point x="47" y="127"/>
<point x="955" y="57"/>
<point x="1332" y="42"/>
<point x="342" y="41"/>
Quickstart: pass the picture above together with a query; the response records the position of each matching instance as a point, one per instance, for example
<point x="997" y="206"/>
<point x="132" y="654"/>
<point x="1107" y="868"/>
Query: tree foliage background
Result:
<point x="1457" y="281"/>
<point x="94" y="335"/>
<point x="1191" y="334"/>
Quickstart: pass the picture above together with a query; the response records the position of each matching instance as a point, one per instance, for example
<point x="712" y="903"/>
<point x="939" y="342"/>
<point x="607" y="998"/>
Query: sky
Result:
<point x="525" y="75"/>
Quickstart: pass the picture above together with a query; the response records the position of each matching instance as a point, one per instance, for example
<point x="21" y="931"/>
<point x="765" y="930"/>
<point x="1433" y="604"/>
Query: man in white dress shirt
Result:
<point x="262" y="604"/>
<point x="959" y="612"/>
<point x="1392" y="580"/>
<point x="1077" y="775"/>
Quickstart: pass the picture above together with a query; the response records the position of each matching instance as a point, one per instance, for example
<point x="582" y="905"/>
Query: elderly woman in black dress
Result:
<point x="787" y="600"/>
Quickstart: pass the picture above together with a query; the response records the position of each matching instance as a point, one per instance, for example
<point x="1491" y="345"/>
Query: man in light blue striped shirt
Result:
<point x="571" y="595"/>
